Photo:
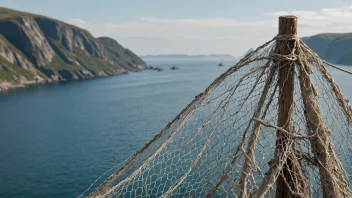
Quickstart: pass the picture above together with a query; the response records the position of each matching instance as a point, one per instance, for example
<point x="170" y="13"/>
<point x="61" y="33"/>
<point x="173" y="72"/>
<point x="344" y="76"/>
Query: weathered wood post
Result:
<point x="291" y="175"/>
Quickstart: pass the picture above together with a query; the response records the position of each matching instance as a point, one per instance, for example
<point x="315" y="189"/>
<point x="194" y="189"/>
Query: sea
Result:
<point x="57" y="139"/>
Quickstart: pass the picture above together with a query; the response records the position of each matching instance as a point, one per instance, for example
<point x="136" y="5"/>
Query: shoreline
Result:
<point x="8" y="86"/>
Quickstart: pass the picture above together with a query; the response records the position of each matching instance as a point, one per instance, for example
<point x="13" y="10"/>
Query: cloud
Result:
<point x="325" y="20"/>
<point x="77" y="22"/>
<point x="147" y="35"/>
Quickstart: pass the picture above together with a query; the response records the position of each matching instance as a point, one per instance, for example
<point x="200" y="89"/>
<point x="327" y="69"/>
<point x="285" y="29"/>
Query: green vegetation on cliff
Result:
<point x="36" y="48"/>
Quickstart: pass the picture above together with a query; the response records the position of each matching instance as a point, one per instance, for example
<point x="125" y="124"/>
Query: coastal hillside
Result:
<point x="332" y="47"/>
<point x="36" y="49"/>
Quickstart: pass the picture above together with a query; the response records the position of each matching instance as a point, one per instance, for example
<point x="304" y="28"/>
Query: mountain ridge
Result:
<point x="38" y="49"/>
<point x="332" y="47"/>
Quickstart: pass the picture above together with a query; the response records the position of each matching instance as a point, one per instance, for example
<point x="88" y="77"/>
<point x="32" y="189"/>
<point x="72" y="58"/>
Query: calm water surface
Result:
<point x="56" y="139"/>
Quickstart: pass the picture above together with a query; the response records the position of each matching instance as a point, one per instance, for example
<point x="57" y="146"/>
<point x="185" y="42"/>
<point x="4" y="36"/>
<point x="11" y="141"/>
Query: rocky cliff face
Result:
<point x="35" y="48"/>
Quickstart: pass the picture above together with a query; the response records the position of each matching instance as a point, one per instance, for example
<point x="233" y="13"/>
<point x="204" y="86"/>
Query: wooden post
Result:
<point x="291" y="176"/>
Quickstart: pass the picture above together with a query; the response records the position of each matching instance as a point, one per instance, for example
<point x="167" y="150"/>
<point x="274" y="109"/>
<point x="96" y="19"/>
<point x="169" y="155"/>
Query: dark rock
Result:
<point x="158" y="69"/>
<point x="154" y="68"/>
<point x="149" y="67"/>
<point x="174" y="68"/>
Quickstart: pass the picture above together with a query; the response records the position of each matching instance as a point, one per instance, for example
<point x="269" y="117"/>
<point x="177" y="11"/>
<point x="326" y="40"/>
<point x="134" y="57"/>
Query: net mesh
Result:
<point x="229" y="141"/>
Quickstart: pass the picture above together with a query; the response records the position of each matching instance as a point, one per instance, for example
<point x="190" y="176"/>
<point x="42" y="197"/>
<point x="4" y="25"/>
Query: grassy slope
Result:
<point x="6" y="14"/>
<point x="13" y="72"/>
<point x="78" y="60"/>
<point x="118" y="53"/>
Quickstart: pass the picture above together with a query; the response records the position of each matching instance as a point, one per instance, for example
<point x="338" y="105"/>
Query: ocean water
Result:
<point x="56" y="139"/>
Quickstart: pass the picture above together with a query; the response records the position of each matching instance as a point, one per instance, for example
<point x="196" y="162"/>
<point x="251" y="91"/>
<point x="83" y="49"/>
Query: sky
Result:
<point x="192" y="26"/>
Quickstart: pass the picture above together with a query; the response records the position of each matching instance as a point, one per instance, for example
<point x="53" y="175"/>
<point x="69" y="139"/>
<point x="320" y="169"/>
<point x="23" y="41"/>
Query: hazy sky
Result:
<point x="192" y="26"/>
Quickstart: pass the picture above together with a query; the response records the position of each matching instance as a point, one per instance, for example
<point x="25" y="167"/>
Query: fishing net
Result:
<point x="275" y="124"/>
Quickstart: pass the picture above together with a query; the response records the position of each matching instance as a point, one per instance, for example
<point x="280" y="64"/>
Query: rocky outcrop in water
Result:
<point x="174" y="68"/>
<point x="154" y="68"/>
<point x="35" y="49"/>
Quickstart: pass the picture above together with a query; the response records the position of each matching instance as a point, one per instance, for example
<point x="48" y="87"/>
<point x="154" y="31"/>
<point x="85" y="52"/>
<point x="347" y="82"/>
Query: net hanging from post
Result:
<point x="274" y="125"/>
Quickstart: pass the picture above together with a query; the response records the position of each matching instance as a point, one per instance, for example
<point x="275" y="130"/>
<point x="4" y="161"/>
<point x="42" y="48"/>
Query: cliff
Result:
<point x="36" y="49"/>
<point x="332" y="47"/>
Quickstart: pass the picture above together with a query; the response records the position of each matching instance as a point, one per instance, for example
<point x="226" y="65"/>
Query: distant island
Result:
<point x="38" y="49"/>
<point x="186" y="56"/>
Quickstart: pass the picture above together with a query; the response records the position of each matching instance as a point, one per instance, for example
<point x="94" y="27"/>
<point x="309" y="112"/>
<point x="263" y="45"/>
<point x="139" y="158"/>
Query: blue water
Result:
<point x="56" y="139"/>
